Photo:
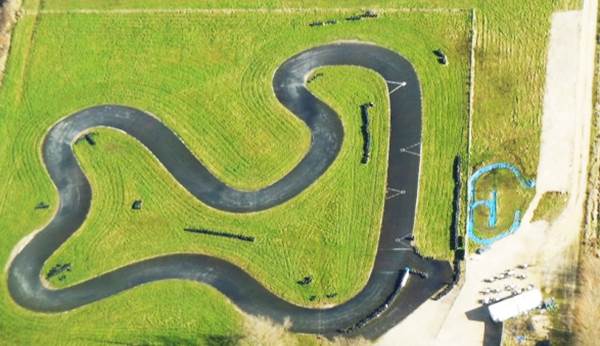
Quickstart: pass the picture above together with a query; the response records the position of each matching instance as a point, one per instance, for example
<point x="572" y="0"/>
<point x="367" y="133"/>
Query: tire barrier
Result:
<point x="305" y="281"/>
<point x="237" y="284"/>
<point x="42" y="205"/>
<point x="313" y="77"/>
<point x="137" y="204"/>
<point x="421" y="274"/>
<point x="444" y="291"/>
<point x="220" y="234"/>
<point x="364" y="128"/>
<point x="322" y="23"/>
<point x="457" y="269"/>
<point x="473" y="203"/>
<point x="441" y="57"/>
<point x="418" y="253"/>
<point x="454" y="226"/>
<point x="90" y="139"/>
<point x="458" y="259"/>
<point x="58" y="269"/>
<point x="400" y="282"/>
<point x="366" y="14"/>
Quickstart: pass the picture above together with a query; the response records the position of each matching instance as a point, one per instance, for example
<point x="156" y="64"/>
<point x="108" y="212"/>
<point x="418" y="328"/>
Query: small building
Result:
<point x="515" y="306"/>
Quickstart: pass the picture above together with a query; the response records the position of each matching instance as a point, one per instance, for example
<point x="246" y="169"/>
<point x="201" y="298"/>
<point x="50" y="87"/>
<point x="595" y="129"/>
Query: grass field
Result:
<point x="550" y="206"/>
<point x="183" y="68"/>
<point x="289" y="245"/>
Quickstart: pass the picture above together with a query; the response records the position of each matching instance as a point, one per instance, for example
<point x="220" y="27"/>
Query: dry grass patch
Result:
<point x="262" y="331"/>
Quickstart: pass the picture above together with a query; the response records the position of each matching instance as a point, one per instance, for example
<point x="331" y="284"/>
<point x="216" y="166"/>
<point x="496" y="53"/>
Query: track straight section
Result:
<point x="24" y="279"/>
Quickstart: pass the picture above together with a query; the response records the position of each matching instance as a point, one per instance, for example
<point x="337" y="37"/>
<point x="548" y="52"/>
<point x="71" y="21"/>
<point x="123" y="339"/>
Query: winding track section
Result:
<point x="394" y="251"/>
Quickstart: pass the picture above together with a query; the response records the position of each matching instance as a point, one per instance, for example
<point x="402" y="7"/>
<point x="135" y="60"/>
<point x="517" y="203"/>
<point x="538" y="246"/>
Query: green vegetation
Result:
<point x="288" y="245"/>
<point x="511" y="196"/>
<point x="190" y="68"/>
<point x="160" y="313"/>
<point x="181" y="68"/>
<point x="550" y="206"/>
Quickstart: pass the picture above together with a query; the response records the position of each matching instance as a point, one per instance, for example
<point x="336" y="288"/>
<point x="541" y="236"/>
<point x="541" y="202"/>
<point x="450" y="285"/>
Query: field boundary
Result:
<point x="470" y="107"/>
<point x="241" y="10"/>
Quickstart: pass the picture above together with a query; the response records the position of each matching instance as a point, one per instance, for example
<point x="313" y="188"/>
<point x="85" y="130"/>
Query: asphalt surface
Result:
<point x="394" y="251"/>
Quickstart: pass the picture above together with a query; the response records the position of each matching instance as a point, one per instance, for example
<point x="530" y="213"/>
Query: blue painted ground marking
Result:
<point x="492" y="202"/>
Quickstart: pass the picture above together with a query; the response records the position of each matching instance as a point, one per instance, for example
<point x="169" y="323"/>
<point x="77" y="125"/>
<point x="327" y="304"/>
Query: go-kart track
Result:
<point x="394" y="252"/>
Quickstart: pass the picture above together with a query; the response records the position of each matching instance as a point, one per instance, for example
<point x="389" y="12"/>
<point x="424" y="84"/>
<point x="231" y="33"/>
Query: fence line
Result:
<point x="238" y="10"/>
<point x="471" y="91"/>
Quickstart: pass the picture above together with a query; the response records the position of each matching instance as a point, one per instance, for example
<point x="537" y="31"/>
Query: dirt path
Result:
<point x="551" y="248"/>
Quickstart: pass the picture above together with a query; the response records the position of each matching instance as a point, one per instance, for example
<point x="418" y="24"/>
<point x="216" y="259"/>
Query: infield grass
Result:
<point x="208" y="76"/>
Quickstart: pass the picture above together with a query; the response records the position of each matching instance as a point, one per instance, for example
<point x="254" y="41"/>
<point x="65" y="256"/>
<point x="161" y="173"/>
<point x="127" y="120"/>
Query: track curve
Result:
<point x="394" y="251"/>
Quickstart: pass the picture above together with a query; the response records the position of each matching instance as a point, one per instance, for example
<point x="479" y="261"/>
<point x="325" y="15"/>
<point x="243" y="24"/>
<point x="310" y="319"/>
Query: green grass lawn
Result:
<point x="325" y="232"/>
<point x="180" y="312"/>
<point x="183" y="69"/>
<point x="550" y="206"/>
<point x="190" y="69"/>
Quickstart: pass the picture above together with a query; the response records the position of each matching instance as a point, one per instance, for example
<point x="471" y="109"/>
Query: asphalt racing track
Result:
<point x="394" y="251"/>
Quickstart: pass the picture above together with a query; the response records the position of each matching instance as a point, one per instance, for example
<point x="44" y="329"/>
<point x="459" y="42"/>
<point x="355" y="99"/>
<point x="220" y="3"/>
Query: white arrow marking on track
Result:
<point x="394" y="192"/>
<point x="408" y="151"/>
<point x="398" y="85"/>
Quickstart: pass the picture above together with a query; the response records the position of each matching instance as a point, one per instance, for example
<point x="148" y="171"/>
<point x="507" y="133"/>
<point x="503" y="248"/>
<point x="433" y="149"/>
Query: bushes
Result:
<point x="456" y="241"/>
<point x="364" y="115"/>
<point x="457" y="175"/>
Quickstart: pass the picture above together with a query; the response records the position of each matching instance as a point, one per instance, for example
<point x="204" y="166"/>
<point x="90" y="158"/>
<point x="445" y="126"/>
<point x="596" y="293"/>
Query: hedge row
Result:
<point x="364" y="115"/>
<point x="455" y="239"/>
<point x="454" y="226"/>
